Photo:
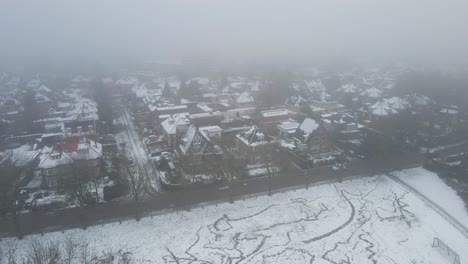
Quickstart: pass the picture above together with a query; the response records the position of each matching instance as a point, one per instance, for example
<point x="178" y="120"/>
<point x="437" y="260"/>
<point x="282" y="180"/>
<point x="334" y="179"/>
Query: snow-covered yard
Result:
<point x="429" y="184"/>
<point x="369" y="220"/>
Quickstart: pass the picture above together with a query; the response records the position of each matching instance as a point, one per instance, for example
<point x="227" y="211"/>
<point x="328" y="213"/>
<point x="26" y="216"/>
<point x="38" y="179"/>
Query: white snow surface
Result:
<point x="357" y="221"/>
<point x="433" y="187"/>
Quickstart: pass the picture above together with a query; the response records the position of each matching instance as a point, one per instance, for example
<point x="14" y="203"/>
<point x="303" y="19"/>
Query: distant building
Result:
<point x="273" y="116"/>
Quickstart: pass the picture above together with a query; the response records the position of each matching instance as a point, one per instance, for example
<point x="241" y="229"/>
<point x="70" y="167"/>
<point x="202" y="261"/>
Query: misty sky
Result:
<point x="234" y="29"/>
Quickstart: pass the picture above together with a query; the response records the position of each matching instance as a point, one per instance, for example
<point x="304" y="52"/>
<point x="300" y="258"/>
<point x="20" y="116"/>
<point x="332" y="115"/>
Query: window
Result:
<point x="50" y="172"/>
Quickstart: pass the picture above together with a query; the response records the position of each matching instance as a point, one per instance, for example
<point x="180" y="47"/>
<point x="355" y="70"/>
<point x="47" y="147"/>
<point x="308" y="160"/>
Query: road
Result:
<point x="37" y="222"/>
<point x="135" y="150"/>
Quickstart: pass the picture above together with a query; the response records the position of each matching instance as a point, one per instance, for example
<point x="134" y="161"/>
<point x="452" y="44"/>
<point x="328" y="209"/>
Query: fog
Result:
<point x="112" y="30"/>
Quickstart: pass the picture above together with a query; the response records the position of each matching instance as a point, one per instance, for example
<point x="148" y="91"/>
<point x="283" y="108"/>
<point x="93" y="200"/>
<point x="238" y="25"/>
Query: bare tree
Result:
<point x="232" y="168"/>
<point x="270" y="155"/>
<point x="136" y="185"/>
<point x="9" y="190"/>
<point x="78" y="186"/>
<point x="44" y="253"/>
<point x="70" y="250"/>
<point x="10" y="256"/>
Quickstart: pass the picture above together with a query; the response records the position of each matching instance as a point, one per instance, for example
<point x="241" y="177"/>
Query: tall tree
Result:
<point x="103" y="97"/>
<point x="9" y="190"/>
<point x="233" y="168"/>
<point x="30" y="110"/>
<point x="135" y="183"/>
<point x="79" y="185"/>
<point x="190" y="90"/>
<point x="271" y="159"/>
<point x="167" y="93"/>
<point x="278" y="87"/>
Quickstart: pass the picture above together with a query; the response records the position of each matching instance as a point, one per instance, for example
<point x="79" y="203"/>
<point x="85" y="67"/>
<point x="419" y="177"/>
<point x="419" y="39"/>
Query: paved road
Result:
<point x="36" y="222"/>
<point x="137" y="152"/>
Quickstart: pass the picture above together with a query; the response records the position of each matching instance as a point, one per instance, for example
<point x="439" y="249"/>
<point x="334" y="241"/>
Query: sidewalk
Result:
<point x="37" y="222"/>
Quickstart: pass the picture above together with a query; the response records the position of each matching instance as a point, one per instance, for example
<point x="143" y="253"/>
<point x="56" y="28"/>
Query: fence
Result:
<point x="450" y="252"/>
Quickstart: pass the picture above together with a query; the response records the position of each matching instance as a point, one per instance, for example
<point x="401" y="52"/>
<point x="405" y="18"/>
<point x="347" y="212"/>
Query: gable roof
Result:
<point x="194" y="136"/>
<point x="253" y="136"/>
<point x="69" y="151"/>
<point x="170" y="125"/>
<point x="307" y="127"/>
<point x="244" y="98"/>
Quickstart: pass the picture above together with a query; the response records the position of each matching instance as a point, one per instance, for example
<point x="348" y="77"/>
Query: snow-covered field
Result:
<point x="429" y="184"/>
<point x="370" y="220"/>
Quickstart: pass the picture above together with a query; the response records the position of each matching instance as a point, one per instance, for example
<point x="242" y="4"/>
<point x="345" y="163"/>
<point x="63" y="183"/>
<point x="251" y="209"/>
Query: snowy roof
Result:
<point x="276" y="112"/>
<point x="254" y="136"/>
<point x="170" y="125"/>
<point x="191" y="137"/>
<point x="308" y="126"/>
<point x="79" y="79"/>
<point x="315" y="85"/>
<point x="201" y="80"/>
<point x="84" y="109"/>
<point x="127" y="81"/>
<point x="173" y="107"/>
<point x="419" y="99"/>
<point x="449" y="111"/>
<point x="245" y="97"/>
<point x="296" y="101"/>
<point x="44" y="88"/>
<point x="204" y="115"/>
<point x="372" y="92"/>
<point x="204" y="107"/>
<point x="21" y="156"/>
<point x="33" y="83"/>
<point x="288" y="125"/>
<point x="397" y="103"/>
<point x="5" y="101"/>
<point x="382" y="109"/>
<point x="211" y="128"/>
<point x="349" y="88"/>
<point x="62" y="154"/>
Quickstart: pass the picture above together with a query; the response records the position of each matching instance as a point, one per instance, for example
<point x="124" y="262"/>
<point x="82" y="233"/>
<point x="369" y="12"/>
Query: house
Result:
<point x="296" y="103"/>
<point x="387" y="107"/>
<point x="24" y="158"/>
<point x="212" y="132"/>
<point x="286" y="130"/>
<point x="324" y="106"/>
<point x="173" y="126"/>
<point x="196" y="148"/>
<point x="245" y="100"/>
<point x="10" y="107"/>
<point x="273" y="116"/>
<point x="58" y="163"/>
<point x="312" y="137"/>
<point x="312" y="145"/>
<point x="249" y="142"/>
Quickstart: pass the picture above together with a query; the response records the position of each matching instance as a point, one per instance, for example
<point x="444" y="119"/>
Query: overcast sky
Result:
<point x="104" y="29"/>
